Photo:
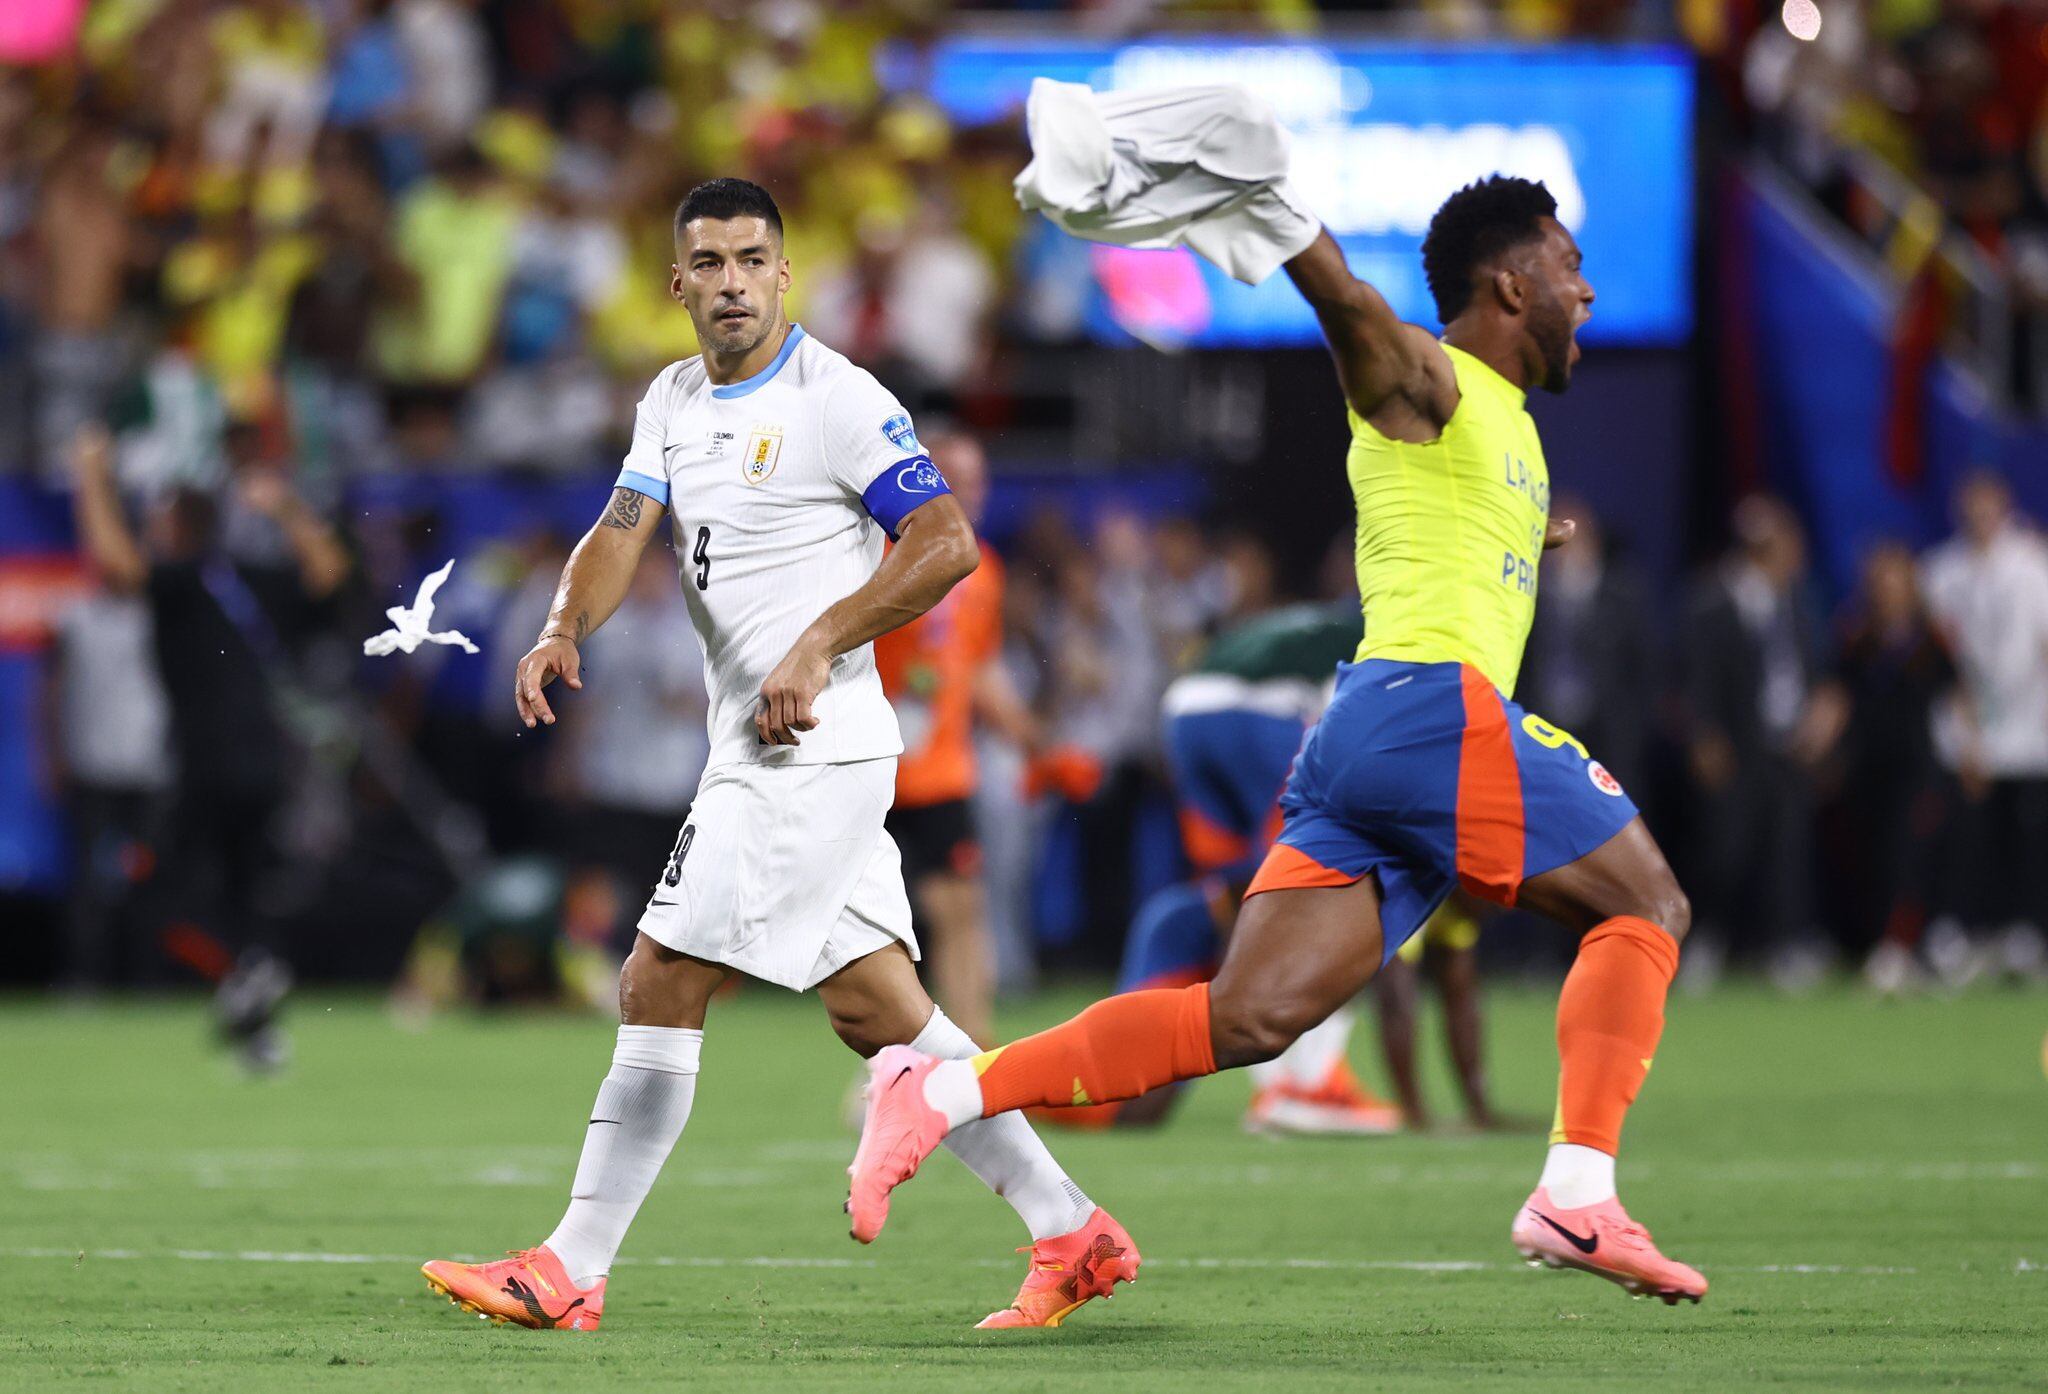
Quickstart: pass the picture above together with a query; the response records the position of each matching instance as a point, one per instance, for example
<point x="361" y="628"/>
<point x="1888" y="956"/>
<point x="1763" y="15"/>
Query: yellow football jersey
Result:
<point x="1450" y="533"/>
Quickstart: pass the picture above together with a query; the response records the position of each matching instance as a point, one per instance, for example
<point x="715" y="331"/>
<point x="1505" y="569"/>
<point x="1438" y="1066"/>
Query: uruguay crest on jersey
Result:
<point x="764" y="448"/>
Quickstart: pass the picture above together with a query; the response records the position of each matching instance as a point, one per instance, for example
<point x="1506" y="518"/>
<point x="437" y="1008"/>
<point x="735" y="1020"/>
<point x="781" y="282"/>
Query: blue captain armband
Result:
<point x="901" y="489"/>
<point x="656" y="489"/>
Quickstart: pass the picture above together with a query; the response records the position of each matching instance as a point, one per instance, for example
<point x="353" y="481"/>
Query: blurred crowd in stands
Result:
<point x="1924" y="123"/>
<point x="1871" y="780"/>
<point x="253" y="252"/>
<point x="407" y="234"/>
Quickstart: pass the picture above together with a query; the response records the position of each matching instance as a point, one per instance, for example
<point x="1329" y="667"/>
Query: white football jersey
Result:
<point x="781" y="489"/>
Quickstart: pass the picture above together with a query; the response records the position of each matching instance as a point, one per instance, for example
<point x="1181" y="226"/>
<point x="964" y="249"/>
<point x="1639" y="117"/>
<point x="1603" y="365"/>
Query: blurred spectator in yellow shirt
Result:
<point x="454" y="234"/>
<point x="271" y="58"/>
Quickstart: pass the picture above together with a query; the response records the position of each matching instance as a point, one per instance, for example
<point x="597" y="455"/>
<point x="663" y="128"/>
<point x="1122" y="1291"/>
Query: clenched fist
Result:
<point x="788" y="692"/>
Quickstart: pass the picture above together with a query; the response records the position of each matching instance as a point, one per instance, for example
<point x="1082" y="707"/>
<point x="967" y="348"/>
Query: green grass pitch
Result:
<point x="1865" y="1184"/>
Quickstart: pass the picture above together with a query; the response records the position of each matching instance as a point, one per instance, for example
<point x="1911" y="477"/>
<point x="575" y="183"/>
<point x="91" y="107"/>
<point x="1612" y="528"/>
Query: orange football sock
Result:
<point x="1609" y="1018"/>
<point x="1089" y="1118"/>
<point x="1118" y="1049"/>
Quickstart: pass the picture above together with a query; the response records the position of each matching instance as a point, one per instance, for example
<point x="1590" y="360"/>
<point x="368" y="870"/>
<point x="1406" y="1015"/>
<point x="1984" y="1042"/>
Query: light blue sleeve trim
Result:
<point x="900" y="490"/>
<point x="656" y="489"/>
<point x="760" y="379"/>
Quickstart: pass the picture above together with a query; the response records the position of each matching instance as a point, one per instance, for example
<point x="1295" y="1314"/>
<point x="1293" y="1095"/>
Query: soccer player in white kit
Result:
<point x="782" y="466"/>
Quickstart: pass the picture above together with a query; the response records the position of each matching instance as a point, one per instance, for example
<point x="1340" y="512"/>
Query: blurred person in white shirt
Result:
<point x="913" y="304"/>
<point x="448" y="53"/>
<point x="113" y="758"/>
<point x="1987" y="588"/>
<point x="639" y="745"/>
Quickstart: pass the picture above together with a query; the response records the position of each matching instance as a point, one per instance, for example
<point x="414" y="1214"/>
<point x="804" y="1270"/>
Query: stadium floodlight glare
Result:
<point x="1801" y="19"/>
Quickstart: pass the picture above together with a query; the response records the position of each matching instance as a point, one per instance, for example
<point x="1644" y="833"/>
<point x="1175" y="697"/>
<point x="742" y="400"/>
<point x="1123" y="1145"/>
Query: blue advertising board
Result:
<point x="1382" y="132"/>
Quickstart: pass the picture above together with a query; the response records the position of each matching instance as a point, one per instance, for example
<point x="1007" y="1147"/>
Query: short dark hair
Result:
<point x="728" y="198"/>
<point x="1475" y="225"/>
<point x="195" y="514"/>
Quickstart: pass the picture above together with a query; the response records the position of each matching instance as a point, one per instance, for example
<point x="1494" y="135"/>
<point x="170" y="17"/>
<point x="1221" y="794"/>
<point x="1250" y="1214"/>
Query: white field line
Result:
<point x="713" y="1261"/>
<point x="270" y="1168"/>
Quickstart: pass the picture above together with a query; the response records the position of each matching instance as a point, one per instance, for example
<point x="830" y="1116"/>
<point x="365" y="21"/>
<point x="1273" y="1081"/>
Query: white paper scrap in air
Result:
<point x="409" y="623"/>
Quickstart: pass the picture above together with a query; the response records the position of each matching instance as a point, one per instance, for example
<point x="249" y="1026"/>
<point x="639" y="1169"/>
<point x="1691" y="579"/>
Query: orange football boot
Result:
<point x="1068" y="1270"/>
<point x="530" y="1289"/>
<point x="1602" y="1240"/>
<point x="1339" y="1106"/>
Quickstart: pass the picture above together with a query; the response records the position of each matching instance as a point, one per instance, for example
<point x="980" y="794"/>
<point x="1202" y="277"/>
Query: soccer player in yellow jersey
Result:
<point x="1422" y="774"/>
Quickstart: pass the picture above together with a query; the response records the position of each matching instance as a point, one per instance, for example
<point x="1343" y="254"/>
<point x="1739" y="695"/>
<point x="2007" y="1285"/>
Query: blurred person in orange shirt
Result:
<point x="942" y="676"/>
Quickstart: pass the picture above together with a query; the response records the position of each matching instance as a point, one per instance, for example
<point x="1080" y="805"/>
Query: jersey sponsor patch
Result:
<point x="764" y="448"/>
<point x="1602" y="780"/>
<point x="901" y="434"/>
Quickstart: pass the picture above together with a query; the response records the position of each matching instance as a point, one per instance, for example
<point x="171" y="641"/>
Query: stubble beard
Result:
<point x="738" y="342"/>
<point x="1552" y="330"/>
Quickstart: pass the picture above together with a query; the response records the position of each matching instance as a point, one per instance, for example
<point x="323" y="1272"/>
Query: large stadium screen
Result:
<point x="1382" y="132"/>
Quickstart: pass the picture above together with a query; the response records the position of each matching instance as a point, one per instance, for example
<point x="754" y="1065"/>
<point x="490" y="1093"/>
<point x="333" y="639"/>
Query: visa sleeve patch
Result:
<point x="898" y="431"/>
<point x="899" y="491"/>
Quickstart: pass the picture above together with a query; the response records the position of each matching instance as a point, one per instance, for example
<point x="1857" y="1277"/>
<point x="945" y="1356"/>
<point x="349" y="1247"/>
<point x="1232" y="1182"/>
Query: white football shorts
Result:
<point x="785" y="872"/>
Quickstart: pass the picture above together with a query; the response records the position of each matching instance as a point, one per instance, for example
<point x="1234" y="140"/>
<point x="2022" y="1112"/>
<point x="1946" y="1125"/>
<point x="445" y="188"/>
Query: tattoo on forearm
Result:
<point x="625" y="509"/>
<point x="582" y="625"/>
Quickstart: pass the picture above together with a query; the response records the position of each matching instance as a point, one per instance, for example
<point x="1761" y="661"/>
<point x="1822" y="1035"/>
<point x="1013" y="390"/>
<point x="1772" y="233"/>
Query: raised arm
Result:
<point x="96" y="506"/>
<point x="1002" y="708"/>
<point x="998" y="705"/>
<point x="598" y="574"/>
<point x="935" y="550"/>
<point x="1394" y="374"/>
<point x="323" y="561"/>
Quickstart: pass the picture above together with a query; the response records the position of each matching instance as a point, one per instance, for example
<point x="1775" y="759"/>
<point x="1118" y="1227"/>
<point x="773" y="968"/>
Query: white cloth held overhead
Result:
<point x="410" y="622"/>
<point x="1204" y="167"/>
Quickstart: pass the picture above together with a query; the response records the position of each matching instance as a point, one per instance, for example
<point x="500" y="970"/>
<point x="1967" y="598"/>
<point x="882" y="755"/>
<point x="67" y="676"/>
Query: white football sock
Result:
<point x="640" y="1111"/>
<point x="954" y="1089"/>
<point x="1003" y="1151"/>
<point x="1267" y="1073"/>
<point x="1306" y="1063"/>
<point x="1576" y="1175"/>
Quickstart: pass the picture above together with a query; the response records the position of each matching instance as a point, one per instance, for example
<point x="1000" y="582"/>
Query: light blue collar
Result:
<point x="760" y="379"/>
